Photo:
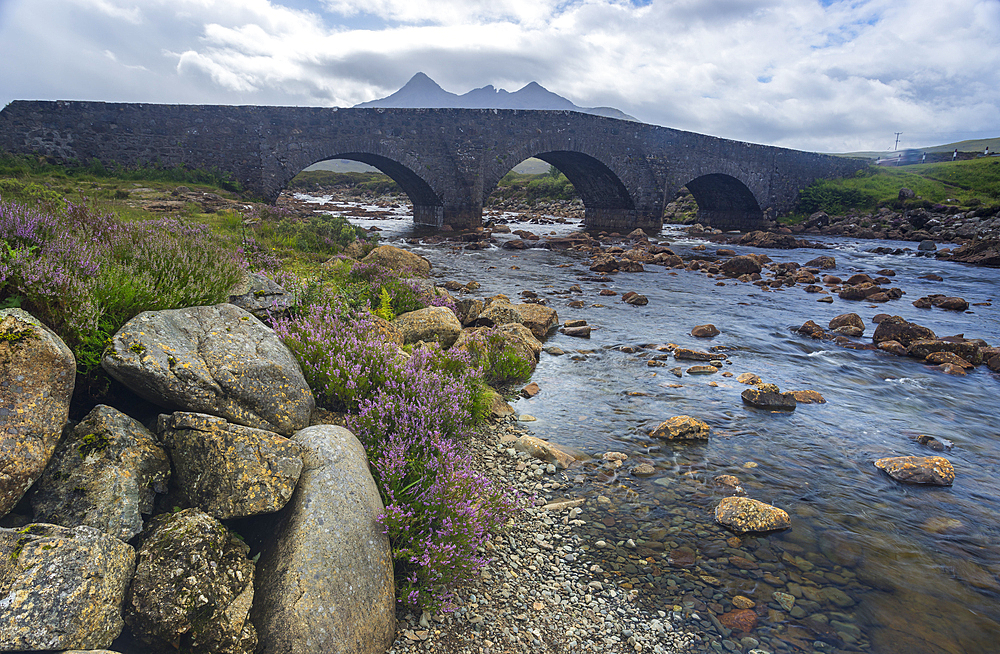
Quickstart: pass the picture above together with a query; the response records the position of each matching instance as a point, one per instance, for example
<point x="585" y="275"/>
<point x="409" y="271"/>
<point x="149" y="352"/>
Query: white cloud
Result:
<point x="789" y="72"/>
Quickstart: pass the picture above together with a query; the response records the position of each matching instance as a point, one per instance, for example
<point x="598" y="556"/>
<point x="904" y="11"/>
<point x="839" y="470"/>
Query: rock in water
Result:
<point x="37" y="375"/>
<point x="227" y="470"/>
<point x="933" y="470"/>
<point x="767" y="396"/>
<point x="705" y="331"/>
<point x="545" y="451"/>
<point x="682" y="428"/>
<point x="104" y="474"/>
<point x="741" y="265"/>
<point x="326" y="585"/>
<point x="742" y="514"/>
<point x="193" y="587"/>
<point x="539" y="319"/>
<point x="218" y="360"/>
<point x="61" y="588"/>
<point x="896" y="328"/>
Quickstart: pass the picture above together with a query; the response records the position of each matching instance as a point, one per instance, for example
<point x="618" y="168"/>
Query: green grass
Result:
<point x="353" y="183"/>
<point x="961" y="183"/>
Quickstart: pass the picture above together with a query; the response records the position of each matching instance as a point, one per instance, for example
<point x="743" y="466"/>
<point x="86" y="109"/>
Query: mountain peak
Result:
<point x="423" y="92"/>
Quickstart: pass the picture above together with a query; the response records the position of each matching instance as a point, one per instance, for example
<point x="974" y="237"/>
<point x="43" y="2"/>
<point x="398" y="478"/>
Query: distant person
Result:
<point x="954" y="155"/>
<point x="987" y="152"/>
<point x="923" y="158"/>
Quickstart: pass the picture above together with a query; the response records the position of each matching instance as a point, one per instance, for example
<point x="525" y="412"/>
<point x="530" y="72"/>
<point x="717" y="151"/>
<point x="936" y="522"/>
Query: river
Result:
<point x="873" y="565"/>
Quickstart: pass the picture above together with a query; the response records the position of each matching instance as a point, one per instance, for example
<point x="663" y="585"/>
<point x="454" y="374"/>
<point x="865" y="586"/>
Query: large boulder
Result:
<point x="499" y="313"/>
<point x="523" y="341"/>
<point x="227" y="470"/>
<point x="326" y="585"/>
<point x="37" y="375"/>
<point x="399" y="261"/>
<point x="193" y="587"/>
<point x="261" y="296"/>
<point x="742" y="514"/>
<point x="538" y="318"/>
<point x="61" y="587"/>
<point x="432" y="325"/>
<point x="851" y="321"/>
<point x="218" y="360"/>
<point x="897" y="328"/>
<point x="105" y="473"/>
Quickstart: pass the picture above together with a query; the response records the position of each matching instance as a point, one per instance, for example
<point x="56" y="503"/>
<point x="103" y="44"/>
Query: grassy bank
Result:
<point x="969" y="183"/>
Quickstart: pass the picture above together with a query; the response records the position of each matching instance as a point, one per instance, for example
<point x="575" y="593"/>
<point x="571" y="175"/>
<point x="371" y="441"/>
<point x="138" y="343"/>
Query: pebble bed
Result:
<point x="541" y="591"/>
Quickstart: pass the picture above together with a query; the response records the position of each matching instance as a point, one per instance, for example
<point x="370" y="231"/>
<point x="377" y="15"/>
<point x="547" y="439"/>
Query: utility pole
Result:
<point x="896" y="147"/>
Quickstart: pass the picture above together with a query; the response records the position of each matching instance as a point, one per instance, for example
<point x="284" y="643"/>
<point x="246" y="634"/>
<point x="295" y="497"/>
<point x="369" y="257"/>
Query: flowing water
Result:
<point x="873" y="565"/>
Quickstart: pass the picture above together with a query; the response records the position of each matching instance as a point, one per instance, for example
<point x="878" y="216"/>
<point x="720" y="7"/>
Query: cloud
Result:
<point x="835" y="75"/>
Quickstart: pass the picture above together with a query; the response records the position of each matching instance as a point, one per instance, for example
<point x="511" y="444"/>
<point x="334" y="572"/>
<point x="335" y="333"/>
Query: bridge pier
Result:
<point x="731" y="219"/>
<point x="622" y="221"/>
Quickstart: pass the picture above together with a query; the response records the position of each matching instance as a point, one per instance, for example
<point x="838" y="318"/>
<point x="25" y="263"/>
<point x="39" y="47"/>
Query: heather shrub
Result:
<point x="500" y="362"/>
<point x="362" y="284"/>
<point x="342" y="359"/>
<point x="85" y="274"/>
<point x="438" y="510"/>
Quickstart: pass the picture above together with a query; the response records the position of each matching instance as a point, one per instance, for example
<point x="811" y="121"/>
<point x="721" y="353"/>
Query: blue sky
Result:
<point x="825" y="75"/>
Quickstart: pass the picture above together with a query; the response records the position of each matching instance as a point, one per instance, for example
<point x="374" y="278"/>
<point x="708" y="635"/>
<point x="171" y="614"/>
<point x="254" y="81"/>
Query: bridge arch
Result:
<point x="428" y="207"/>
<point x="607" y="200"/>
<point x="725" y="202"/>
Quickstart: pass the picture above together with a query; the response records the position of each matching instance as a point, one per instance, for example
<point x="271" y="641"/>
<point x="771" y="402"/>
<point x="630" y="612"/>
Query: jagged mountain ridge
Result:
<point x="423" y="92"/>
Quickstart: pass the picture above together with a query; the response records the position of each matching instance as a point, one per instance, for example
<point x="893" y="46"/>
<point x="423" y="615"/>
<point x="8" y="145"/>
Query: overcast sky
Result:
<point x="823" y="75"/>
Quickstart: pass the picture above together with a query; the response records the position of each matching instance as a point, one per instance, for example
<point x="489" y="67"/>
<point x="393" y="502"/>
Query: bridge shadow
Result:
<point x="428" y="207"/>
<point x="725" y="202"/>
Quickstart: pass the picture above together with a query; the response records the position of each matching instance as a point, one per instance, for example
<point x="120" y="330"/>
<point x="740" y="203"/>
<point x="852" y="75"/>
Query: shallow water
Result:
<point x="918" y="565"/>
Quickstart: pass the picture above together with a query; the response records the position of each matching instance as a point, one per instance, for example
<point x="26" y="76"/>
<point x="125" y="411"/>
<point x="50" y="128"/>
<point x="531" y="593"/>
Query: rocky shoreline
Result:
<point x="542" y="591"/>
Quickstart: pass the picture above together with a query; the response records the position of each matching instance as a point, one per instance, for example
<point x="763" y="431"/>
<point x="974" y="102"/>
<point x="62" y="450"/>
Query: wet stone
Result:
<point x="932" y="470"/>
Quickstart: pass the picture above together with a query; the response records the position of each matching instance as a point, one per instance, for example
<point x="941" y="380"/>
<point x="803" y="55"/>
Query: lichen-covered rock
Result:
<point x="933" y="470"/>
<point x="399" y="261"/>
<point x="524" y="342"/>
<point x="37" y="375"/>
<point x="767" y="396"/>
<point x="742" y="514"/>
<point x="227" y="470"/>
<point x="193" y="587"/>
<point x="261" y="296"/>
<point x="468" y="309"/>
<point x="968" y="350"/>
<point x="808" y="397"/>
<point x="848" y="320"/>
<point x="896" y="328"/>
<point x="61" y="587"/>
<point x="431" y="325"/>
<point x="218" y="360"/>
<point x="326" y="585"/>
<point x="104" y="474"/>
<point x="682" y="428"/>
<point x="538" y="318"/>
<point x="498" y="313"/>
<point x="695" y="355"/>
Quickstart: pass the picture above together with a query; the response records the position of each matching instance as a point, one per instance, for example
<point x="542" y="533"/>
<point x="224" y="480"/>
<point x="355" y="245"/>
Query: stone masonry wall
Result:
<point x="448" y="160"/>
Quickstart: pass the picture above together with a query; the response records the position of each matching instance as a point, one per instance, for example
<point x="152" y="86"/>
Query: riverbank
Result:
<point x="541" y="591"/>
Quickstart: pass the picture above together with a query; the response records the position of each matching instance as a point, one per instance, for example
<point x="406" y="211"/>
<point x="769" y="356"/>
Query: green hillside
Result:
<point x="967" y="183"/>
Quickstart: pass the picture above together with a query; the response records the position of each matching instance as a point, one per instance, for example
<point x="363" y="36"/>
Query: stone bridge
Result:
<point x="447" y="160"/>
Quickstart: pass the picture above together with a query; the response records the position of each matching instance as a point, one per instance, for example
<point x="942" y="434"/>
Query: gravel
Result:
<point x="541" y="592"/>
